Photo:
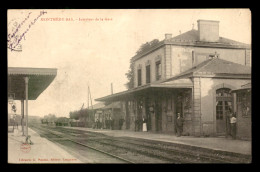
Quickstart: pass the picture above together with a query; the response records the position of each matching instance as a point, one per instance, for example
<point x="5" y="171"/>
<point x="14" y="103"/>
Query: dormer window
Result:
<point x="213" y="56"/>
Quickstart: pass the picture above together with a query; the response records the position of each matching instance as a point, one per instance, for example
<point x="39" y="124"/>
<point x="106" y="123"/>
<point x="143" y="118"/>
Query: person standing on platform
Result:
<point x="229" y="114"/>
<point x="121" y="122"/>
<point x="112" y="123"/>
<point x="179" y="123"/>
<point x="109" y="122"/>
<point x="100" y="122"/>
<point x="136" y="124"/>
<point x="144" y="124"/>
<point x="233" y="121"/>
<point x="106" y="122"/>
<point x="97" y="123"/>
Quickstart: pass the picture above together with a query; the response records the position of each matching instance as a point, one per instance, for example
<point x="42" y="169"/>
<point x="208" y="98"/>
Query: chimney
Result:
<point x="168" y="36"/>
<point x="208" y="30"/>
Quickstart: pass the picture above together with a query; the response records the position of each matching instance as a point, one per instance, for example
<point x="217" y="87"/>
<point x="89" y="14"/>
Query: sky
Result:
<point x="88" y="50"/>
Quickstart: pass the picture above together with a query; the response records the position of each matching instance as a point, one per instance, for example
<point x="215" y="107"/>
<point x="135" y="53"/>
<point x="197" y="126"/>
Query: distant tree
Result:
<point x="146" y="46"/>
<point x="130" y="74"/>
<point x="50" y="118"/>
<point x="71" y="115"/>
<point x="75" y="115"/>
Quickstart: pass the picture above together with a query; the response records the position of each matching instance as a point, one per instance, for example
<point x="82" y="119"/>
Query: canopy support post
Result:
<point x="28" y="141"/>
<point x="22" y="113"/>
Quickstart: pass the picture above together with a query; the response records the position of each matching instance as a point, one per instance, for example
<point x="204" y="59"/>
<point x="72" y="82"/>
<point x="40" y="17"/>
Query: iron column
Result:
<point x="26" y="101"/>
<point x="22" y="112"/>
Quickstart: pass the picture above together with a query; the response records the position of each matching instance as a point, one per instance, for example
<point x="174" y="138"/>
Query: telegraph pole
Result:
<point x="111" y="88"/>
<point x="90" y="97"/>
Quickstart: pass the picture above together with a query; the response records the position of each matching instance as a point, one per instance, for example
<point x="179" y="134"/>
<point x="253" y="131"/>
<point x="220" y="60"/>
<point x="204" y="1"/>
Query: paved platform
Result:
<point x="215" y="143"/>
<point x="42" y="150"/>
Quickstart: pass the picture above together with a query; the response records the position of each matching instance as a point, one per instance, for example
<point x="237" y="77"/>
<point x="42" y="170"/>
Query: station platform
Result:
<point x="214" y="143"/>
<point x="41" y="151"/>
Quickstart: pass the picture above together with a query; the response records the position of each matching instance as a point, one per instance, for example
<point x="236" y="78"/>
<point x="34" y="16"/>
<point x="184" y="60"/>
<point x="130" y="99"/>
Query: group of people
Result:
<point x="14" y="121"/>
<point x="231" y="124"/>
<point x="99" y="123"/>
<point x="141" y="124"/>
<point x="109" y="123"/>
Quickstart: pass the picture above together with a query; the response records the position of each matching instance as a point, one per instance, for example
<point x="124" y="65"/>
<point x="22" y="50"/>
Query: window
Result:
<point x="158" y="70"/>
<point x="244" y="100"/>
<point x="148" y="74"/>
<point x="219" y="109"/>
<point x="139" y="77"/>
<point x="224" y="102"/>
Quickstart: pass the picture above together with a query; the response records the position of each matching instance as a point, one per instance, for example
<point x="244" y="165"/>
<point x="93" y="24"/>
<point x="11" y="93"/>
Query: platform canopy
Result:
<point x="177" y="84"/>
<point x="114" y="105"/>
<point x="246" y="87"/>
<point x="39" y="80"/>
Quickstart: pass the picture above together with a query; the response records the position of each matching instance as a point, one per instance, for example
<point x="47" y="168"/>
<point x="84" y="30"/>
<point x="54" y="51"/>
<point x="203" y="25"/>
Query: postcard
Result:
<point x="129" y="86"/>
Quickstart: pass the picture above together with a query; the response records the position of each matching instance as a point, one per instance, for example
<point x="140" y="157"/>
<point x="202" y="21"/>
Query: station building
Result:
<point x="193" y="74"/>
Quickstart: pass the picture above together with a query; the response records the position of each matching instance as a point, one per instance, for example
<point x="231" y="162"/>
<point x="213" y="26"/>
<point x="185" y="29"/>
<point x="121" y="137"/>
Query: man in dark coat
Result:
<point x="112" y="123"/>
<point x="121" y="122"/>
<point x="136" y="124"/>
<point x="179" y="123"/>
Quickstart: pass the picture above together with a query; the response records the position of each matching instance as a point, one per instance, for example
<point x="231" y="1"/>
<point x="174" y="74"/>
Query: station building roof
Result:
<point x="191" y="38"/>
<point x="210" y="68"/>
<point x="39" y="80"/>
<point x="216" y="67"/>
<point x="243" y="88"/>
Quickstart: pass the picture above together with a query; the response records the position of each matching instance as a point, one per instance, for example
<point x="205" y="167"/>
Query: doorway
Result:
<point x="223" y="104"/>
<point x="139" y="114"/>
<point x="148" y="113"/>
<point x="127" y="119"/>
<point x="158" y="114"/>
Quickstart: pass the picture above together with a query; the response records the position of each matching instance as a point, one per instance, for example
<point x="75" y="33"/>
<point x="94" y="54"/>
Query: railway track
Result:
<point x="172" y="151"/>
<point x="49" y="134"/>
<point x="200" y="155"/>
<point x="166" y="152"/>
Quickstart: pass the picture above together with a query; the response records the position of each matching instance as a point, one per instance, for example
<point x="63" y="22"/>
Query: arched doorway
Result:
<point x="223" y="104"/>
<point x="139" y="114"/>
